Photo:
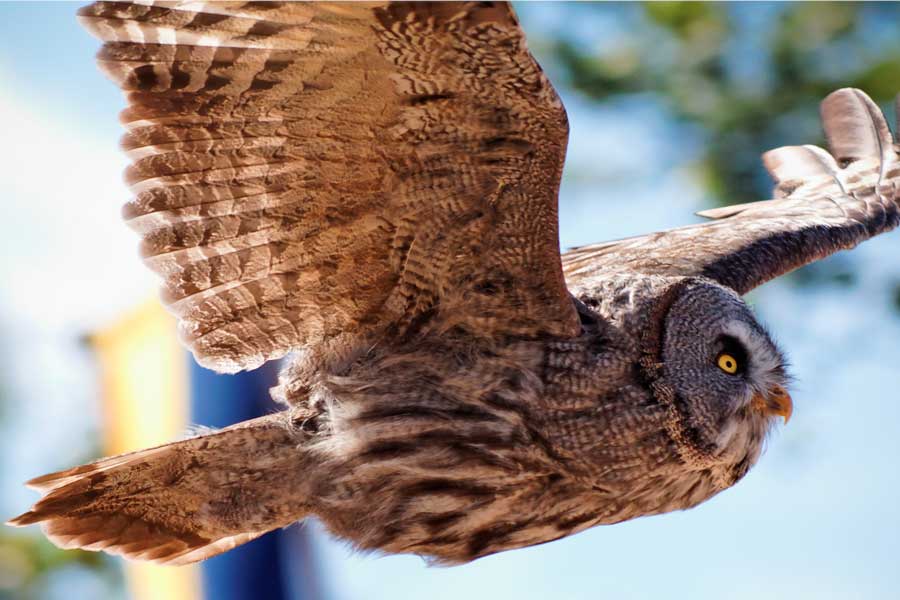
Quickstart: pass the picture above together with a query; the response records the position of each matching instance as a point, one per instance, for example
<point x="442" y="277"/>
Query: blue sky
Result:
<point x="816" y="518"/>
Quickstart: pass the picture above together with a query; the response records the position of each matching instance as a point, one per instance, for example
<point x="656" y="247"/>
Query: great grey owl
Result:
<point x="373" y="188"/>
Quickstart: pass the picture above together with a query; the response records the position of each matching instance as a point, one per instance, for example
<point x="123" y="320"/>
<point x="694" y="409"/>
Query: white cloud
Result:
<point x="67" y="258"/>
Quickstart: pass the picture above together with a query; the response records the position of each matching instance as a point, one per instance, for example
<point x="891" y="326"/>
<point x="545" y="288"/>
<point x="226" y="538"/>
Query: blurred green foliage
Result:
<point x="750" y="76"/>
<point x="28" y="560"/>
<point x="29" y="563"/>
<point x="746" y="77"/>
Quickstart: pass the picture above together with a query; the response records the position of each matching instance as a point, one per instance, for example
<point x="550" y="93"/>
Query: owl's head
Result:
<point x="724" y="375"/>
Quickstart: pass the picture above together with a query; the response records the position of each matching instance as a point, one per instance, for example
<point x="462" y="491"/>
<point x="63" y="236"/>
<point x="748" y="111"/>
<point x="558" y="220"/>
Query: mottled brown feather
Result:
<point x="180" y="502"/>
<point x="309" y="170"/>
<point x="824" y="203"/>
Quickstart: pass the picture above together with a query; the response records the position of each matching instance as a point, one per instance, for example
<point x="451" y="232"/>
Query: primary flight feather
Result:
<point x="372" y="187"/>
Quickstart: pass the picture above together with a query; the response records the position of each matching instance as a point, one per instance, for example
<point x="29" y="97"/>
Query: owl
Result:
<point x="372" y="190"/>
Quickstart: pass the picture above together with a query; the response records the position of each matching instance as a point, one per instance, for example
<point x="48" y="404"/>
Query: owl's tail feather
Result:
<point x="181" y="502"/>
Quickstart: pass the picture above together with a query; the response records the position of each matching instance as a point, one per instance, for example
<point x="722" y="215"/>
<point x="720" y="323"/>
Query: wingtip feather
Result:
<point x="854" y="126"/>
<point x="723" y="212"/>
<point x="23" y="520"/>
<point x="51" y="480"/>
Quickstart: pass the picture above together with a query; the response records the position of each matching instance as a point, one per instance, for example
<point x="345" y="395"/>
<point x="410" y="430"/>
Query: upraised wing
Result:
<point x="309" y="171"/>
<point x="825" y="202"/>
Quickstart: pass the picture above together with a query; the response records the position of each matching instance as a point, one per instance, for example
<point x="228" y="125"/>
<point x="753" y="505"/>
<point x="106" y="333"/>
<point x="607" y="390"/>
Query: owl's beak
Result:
<point x="775" y="403"/>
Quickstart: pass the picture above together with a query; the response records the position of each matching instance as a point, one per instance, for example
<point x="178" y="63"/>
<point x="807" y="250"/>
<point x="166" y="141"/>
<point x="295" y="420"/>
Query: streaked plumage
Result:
<point x="373" y="187"/>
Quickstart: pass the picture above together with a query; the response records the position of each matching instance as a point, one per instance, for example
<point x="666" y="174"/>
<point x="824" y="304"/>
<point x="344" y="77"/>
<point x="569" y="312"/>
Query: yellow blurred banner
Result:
<point x="143" y="374"/>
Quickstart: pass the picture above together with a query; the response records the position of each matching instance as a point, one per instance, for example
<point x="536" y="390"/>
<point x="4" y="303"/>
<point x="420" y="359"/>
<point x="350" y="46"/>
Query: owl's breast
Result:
<point x="455" y="451"/>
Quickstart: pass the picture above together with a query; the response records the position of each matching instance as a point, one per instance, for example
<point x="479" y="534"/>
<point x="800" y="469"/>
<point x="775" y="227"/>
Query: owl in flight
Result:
<point x="373" y="189"/>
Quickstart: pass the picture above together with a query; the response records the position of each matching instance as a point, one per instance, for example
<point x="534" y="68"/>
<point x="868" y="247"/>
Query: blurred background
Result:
<point x="670" y="106"/>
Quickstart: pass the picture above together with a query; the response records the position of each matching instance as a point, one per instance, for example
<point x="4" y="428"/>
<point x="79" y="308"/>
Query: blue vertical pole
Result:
<point x="252" y="571"/>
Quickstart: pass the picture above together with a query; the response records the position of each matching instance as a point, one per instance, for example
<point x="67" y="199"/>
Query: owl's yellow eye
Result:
<point x="727" y="363"/>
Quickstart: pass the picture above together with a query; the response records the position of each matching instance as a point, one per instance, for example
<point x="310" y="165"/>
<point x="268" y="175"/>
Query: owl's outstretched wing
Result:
<point x="824" y="202"/>
<point x="308" y="171"/>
